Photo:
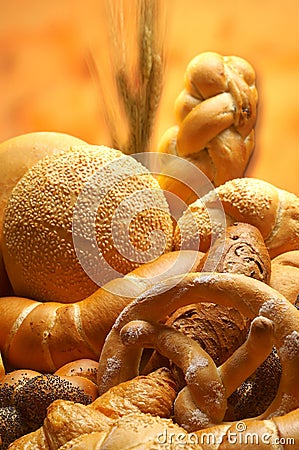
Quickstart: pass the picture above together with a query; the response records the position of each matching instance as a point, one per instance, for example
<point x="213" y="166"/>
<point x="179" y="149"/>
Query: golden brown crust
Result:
<point x="65" y="200"/>
<point x="285" y="274"/>
<point x="90" y="441"/>
<point x="252" y="297"/>
<point x="67" y="420"/>
<point x="154" y="394"/>
<point x="151" y="396"/>
<point x="221" y="330"/>
<point x="239" y="249"/>
<point x="86" y="368"/>
<point x="215" y="115"/>
<point x="273" y="211"/>
<point x="61" y="333"/>
<point x="17" y="155"/>
<point x="26" y="394"/>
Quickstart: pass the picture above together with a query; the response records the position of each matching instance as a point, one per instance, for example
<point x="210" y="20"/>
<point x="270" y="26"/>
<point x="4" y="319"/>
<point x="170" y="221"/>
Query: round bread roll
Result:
<point x="26" y="394"/>
<point x="17" y="155"/>
<point x="78" y="217"/>
<point x="285" y="275"/>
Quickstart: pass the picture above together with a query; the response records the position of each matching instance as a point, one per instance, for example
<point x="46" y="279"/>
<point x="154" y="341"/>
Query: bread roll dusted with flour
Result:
<point x="220" y="330"/>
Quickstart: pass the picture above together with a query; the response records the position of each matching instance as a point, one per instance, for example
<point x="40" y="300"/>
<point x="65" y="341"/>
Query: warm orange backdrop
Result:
<point x="45" y="84"/>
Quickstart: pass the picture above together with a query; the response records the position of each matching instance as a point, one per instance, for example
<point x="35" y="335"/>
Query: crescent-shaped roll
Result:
<point x="273" y="211"/>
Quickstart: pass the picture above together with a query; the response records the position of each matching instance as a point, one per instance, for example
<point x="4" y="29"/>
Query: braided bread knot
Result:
<point x="215" y="115"/>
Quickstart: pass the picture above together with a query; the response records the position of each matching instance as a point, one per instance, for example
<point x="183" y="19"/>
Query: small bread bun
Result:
<point x="285" y="275"/>
<point x="33" y="398"/>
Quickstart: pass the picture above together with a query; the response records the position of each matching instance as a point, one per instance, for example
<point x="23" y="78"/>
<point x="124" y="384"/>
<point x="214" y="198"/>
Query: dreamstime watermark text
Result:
<point x="238" y="436"/>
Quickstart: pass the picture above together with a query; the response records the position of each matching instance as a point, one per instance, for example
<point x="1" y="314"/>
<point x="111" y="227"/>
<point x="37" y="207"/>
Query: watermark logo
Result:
<point x="101" y="184"/>
<point x="239" y="437"/>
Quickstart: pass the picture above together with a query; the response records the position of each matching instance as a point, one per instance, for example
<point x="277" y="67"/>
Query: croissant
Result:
<point x="60" y="333"/>
<point x="143" y="431"/>
<point x="151" y="395"/>
<point x="273" y="211"/>
<point x="215" y="115"/>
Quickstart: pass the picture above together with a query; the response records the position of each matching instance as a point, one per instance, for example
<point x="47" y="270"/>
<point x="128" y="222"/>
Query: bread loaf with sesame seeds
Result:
<point x="17" y="155"/>
<point x="274" y="211"/>
<point x="80" y="216"/>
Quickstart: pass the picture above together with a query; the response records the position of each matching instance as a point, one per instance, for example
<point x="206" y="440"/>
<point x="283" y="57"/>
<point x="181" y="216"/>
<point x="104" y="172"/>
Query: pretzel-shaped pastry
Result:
<point x="215" y="114"/>
<point x="253" y="298"/>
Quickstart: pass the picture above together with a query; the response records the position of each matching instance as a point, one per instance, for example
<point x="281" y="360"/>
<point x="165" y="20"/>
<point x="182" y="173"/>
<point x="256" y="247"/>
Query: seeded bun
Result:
<point x="45" y="214"/>
<point x="17" y="155"/>
<point x="273" y="211"/>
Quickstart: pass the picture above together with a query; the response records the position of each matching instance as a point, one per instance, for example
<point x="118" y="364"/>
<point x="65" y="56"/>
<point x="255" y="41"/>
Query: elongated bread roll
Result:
<point x="60" y="333"/>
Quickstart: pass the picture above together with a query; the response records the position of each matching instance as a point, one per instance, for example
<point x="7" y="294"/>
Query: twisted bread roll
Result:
<point x="60" y="333"/>
<point x="215" y="114"/>
<point x="285" y="275"/>
<point x="273" y="211"/>
<point x="221" y="330"/>
<point x="204" y="380"/>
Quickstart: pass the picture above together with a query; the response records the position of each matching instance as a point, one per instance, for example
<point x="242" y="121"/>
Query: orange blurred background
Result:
<point x="45" y="83"/>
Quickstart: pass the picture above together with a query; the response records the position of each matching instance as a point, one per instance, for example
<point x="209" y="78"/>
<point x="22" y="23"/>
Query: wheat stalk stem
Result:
<point x="136" y="42"/>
